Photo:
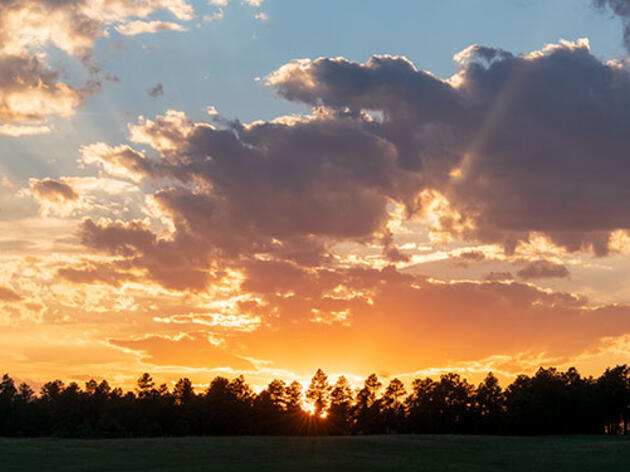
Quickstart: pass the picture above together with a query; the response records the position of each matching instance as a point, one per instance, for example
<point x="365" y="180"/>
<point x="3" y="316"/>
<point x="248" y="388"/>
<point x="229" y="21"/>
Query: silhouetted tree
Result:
<point x="367" y="419"/>
<point x="489" y="405"/>
<point x="319" y="392"/>
<point x="613" y="390"/>
<point x="145" y="385"/>
<point x="549" y="402"/>
<point x="393" y="406"/>
<point x="340" y="413"/>
<point x="183" y="391"/>
<point x="294" y="396"/>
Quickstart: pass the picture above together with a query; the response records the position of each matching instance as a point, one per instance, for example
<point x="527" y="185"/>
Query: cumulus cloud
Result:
<point x="516" y="144"/>
<point x="286" y="188"/>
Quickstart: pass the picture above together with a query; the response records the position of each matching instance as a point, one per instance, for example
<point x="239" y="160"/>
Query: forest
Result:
<point x="549" y="402"/>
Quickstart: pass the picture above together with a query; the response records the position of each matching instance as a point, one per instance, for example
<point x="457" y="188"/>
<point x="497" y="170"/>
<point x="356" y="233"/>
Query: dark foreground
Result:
<point x="399" y="453"/>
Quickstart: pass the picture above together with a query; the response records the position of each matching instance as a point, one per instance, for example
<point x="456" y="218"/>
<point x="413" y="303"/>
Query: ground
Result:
<point x="330" y="454"/>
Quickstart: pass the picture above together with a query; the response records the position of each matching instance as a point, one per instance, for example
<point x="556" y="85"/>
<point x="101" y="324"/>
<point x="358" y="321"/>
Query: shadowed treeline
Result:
<point x="550" y="402"/>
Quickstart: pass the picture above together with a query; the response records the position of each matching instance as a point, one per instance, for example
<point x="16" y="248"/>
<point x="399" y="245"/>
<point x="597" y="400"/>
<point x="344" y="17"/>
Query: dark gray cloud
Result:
<point x="539" y="140"/>
<point x="286" y="189"/>
<point x="156" y="91"/>
<point x="472" y="255"/>
<point x="542" y="269"/>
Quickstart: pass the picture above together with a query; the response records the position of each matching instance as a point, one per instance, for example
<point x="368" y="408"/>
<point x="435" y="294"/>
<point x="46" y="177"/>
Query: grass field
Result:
<point x="396" y="453"/>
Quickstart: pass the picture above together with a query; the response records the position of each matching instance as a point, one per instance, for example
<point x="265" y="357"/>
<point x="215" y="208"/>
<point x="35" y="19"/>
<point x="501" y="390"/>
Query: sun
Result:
<point x="309" y="409"/>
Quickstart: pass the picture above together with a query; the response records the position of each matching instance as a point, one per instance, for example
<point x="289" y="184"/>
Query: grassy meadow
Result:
<point x="396" y="453"/>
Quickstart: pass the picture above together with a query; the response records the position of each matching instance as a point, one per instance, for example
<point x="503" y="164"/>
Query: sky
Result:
<point x="268" y="187"/>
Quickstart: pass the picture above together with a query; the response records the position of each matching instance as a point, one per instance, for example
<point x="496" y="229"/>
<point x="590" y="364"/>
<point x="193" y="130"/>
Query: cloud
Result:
<point x="532" y="137"/>
<point x="262" y="16"/>
<point x="6" y="184"/>
<point x="156" y="91"/>
<point x="498" y="276"/>
<point x="287" y="188"/>
<point x="30" y="92"/>
<point x="406" y="321"/>
<point x="95" y="273"/>
<point x="72" y="25"/>
<point x="515" y="144"/>
<point x="133" y="28"/>
<point x="119" y="161"/>
<point x="52" y="190"/>
<point x="28" y="130"/>
<point x="30" y="89"/>
<point x="55" y="197"/>
<point x="472" y="255"/>
<point x="181" y="263"/>
<point x="542" y="269"/>
<point x="8" y="295"/>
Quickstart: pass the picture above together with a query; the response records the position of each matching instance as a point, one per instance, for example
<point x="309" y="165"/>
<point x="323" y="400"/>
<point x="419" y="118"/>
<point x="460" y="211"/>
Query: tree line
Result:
<point x="549" y="402"/>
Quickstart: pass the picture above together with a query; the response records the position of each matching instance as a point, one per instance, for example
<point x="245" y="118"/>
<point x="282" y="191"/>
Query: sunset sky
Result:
<point x="267" y="187"/>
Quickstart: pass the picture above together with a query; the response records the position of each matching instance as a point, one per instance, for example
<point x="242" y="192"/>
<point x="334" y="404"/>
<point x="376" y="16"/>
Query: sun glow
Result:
<point x="310" y="409"/>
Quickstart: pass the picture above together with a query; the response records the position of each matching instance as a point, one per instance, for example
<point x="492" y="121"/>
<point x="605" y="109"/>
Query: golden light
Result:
<point x="308" y="408"/>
